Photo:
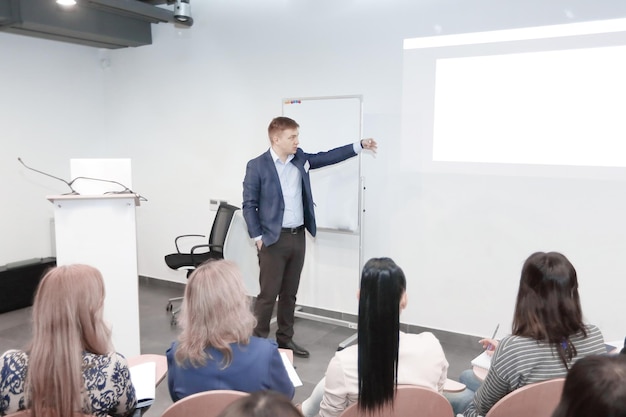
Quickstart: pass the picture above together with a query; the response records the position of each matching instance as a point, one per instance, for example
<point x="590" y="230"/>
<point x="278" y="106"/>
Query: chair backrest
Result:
<point x="221" y="225"/>
<point x="411" y="401"/>
<point x="537" y="400"/>
<point x="203" y="404"/>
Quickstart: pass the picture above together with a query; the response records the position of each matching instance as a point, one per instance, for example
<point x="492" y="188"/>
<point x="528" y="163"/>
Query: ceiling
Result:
<point x="108" y="24"/>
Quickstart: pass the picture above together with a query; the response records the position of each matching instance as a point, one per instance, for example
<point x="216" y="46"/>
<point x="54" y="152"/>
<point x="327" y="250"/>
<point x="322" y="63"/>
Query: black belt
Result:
<point x="292" y="230"/>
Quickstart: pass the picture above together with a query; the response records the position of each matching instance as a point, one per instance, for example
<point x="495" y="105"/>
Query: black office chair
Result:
<point x="203" y="252"/>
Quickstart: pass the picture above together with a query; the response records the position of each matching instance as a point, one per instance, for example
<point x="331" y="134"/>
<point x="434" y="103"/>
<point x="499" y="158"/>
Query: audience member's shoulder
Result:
<point x="14" y="356"/>
<point x="106" y="360"/>
<point x="172" y="349"/>
<point x="118" y="357"/>
<point x="263" y="343"/>
<point x="348" y="355"/>
<point x="423" y="337"/>
<point x="592" y="329"/>
<point x="511" y="343"/>
<point x="13" y="352"/>
<point x="348" y="351"/>
<point x="517" y="340"/>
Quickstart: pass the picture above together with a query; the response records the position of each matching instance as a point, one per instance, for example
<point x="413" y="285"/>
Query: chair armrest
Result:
<point x="210" y="246"/>
<point x="197" y="257"/>
<point x="183" y="236"/>
<point x="193" y="249"/>
<point x="453" y="386"/>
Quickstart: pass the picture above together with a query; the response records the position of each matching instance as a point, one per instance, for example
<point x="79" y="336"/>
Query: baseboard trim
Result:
<point x="351" y="320"/>
<point x="343" y="319"/>
<point x="156" y="282"/>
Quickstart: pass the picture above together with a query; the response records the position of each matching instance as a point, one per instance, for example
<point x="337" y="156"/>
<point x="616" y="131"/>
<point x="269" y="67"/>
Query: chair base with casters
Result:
<point x="410" y="400"/>
<point x="200" y="253"/>
<point x="170" y="305"/>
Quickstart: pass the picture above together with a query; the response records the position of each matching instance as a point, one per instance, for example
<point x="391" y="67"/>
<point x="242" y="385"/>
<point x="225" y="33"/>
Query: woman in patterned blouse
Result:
<point x="70" y="364"/>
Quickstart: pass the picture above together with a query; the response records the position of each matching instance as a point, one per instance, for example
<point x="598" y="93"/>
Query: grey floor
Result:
<point x="320" y="339"/>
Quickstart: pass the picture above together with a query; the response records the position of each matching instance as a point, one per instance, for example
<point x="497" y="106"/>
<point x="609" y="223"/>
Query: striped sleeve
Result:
<point x="519" y="361"/>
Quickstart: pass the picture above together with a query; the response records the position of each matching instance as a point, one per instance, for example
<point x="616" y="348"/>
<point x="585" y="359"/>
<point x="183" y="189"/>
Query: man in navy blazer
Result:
<point x="277" y="206"/>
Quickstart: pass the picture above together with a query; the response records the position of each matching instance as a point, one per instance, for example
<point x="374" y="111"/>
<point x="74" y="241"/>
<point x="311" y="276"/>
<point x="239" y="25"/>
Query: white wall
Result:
<point x="192" y="108"/>
<point x="50" y="110"/>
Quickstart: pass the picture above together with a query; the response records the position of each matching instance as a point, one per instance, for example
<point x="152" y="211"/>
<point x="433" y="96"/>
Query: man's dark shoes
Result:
<point x="297" y="350"/>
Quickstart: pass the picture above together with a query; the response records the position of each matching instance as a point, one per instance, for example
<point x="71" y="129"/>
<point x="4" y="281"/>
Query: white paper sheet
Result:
<point x="291" y="371"/>
<point x="482" y="361"/>
<point x="143" y="377"/>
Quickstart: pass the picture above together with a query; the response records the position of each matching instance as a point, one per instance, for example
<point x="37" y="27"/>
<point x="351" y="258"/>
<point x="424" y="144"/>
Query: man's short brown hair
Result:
<point x="278" y="124"/>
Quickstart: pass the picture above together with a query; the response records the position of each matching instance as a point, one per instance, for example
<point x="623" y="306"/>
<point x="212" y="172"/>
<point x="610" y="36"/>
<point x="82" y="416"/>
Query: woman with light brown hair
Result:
<point x="216" y="349"/>
<point x="70" y="365"/>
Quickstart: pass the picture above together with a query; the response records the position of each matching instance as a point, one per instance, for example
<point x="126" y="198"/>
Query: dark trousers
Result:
<point x="280" y="267"/>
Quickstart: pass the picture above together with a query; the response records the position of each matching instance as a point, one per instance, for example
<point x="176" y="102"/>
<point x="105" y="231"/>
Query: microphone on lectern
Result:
<point x="68" y="183"/>
<point x="125" y="190"/>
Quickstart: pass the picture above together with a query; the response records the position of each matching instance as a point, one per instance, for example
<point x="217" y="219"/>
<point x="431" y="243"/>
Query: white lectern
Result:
<point x="100" y="230"/>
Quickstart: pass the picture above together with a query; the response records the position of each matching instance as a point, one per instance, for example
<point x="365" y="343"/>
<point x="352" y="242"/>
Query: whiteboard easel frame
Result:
<point x="358" y="188"/>
<point x="361" y="211"/>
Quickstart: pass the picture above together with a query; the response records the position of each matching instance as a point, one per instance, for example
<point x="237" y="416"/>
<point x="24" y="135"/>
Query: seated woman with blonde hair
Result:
<point x="216" y="349"/>
<point x="70" y="365"/>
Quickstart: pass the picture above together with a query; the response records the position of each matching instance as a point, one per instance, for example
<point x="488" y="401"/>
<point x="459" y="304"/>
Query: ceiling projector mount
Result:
<point x="107" y="24"/>
<point x="182" y="12"/>
<point x="147" y="9"/>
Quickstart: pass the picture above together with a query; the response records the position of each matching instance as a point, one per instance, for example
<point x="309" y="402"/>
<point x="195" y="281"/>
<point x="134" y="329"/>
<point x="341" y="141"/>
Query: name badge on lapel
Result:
<point x="307" y="166"/>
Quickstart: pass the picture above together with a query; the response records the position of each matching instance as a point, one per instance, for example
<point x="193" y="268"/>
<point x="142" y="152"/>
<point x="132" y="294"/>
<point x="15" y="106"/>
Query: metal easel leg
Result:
<point x="328" y="320"/>
<point x="347" y="342"/>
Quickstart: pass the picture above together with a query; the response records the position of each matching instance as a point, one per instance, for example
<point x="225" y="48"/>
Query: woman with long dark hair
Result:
<point x="548" y="336"/>
<point x="384" y="356"/>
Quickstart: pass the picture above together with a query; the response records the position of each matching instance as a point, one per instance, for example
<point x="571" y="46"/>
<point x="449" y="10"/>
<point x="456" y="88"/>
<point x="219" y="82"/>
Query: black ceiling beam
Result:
<point x="133" y="8"/>
<point x="100" y="23"/>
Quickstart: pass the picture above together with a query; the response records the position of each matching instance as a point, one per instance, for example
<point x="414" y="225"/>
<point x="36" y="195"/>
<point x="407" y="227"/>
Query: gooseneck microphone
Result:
<point x="125" y="190"/>
<point x="68" y="183"/>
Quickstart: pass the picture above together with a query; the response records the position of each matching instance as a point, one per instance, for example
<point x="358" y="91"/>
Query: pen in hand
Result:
<point x="490" y="346"/>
